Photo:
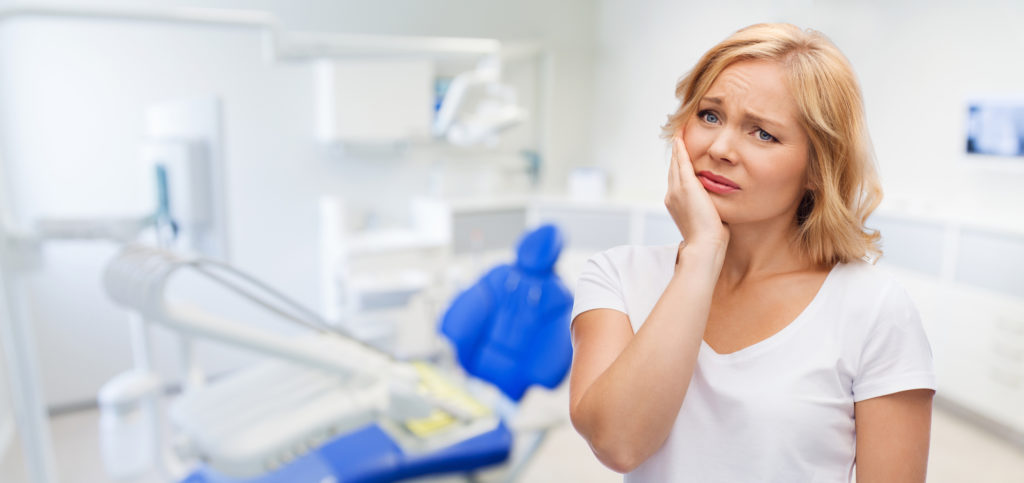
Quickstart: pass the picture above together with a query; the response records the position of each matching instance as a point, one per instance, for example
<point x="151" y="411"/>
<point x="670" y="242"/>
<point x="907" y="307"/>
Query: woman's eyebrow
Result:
<point x="761" y="121"/>
<point x="748" y="115"/>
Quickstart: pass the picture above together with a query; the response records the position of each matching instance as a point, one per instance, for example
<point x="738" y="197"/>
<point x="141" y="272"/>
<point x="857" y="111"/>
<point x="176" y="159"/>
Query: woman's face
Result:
<point x="747" y="146"/>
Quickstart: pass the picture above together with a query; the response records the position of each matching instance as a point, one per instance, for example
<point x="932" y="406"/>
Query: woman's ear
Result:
<point x="808" y="186"/>
<point x="803" y="211"/>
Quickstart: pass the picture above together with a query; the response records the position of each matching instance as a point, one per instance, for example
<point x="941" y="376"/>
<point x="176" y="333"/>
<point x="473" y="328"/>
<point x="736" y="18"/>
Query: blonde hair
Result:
<point x="841" y="170"/>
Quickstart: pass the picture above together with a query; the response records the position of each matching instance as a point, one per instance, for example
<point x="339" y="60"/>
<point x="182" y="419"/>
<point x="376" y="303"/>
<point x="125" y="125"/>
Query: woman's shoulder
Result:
<point x="637" y="256"/>
<point x="864" y="275"/>
<point x="618" y="277"/>
<point x="870" y="287"/>
<point x="631" y="262"/>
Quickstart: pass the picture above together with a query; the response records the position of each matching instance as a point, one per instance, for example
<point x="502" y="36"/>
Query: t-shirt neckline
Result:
<point x="776" y="338"/>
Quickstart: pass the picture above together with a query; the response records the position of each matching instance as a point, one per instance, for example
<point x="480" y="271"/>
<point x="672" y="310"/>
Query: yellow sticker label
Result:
<point x="441" y="387"/>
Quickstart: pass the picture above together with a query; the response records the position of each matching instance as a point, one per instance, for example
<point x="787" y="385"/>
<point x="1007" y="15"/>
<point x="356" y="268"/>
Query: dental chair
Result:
<point x="511" y="329"/>
<point x="328" y="409"/>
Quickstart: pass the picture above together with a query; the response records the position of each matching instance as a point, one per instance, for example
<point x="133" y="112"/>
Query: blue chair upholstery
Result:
<point x="369" y="455"/>
<point x="511" y="328"/>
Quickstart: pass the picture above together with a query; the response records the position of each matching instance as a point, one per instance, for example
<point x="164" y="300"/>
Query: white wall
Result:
<point x="72" y="100"/>
<point x="917" y="62"/>
<point x="73" y="94"/>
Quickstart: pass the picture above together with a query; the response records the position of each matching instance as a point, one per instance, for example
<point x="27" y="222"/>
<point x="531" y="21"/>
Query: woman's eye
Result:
<point x="709" y="116"/>
<point x="764" y="136"/>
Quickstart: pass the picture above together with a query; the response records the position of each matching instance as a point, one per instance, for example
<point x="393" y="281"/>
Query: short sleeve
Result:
<point x="599" y="286"/>
<point x="896" y="355"/>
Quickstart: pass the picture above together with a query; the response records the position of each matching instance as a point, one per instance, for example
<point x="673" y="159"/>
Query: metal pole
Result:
<point x="19" y="348"/>
<point x="27" y="398"/>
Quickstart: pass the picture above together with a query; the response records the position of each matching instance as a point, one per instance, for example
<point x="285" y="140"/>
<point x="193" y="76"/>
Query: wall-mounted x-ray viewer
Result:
<point x="995" y="126"/>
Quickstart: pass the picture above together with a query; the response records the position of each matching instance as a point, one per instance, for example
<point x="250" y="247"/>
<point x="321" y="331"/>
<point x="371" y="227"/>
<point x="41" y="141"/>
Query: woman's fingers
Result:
<point x="680" y="159"/>
<point x="676" y="182"/>
<point x="684" y="168"/>
<point x="673" y="168"/>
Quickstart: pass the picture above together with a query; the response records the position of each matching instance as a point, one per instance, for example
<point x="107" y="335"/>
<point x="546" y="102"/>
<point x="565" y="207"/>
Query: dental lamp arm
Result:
<point x="137" y="279"/>
<point x="331" y="353"/>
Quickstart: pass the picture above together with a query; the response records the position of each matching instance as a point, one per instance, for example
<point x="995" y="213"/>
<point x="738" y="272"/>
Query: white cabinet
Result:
<point x="374" y="101"/>
<point x="980" y="364"/>
<point x="967" y="284"/>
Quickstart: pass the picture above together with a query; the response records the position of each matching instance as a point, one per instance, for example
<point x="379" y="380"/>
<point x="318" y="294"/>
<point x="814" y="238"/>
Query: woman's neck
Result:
<point x="764" y="248"/>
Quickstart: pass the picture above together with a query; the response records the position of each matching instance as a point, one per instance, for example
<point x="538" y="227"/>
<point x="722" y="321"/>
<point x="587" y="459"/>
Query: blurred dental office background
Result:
<point x="372" y="160"/>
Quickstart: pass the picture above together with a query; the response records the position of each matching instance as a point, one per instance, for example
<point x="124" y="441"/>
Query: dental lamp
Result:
<point x="495" y="106"/>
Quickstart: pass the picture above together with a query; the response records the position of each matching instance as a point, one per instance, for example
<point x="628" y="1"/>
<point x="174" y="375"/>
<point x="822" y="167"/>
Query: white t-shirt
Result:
<point x="780" y="410"/>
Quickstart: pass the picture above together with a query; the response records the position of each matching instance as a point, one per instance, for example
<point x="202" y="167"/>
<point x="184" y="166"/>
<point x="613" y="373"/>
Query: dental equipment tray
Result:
<point x="371" y="455"/>
<point x="279" y="422"/>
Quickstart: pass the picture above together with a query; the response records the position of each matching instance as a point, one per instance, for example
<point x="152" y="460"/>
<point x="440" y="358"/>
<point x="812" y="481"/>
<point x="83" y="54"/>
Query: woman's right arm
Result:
<point x="625" y="390"/>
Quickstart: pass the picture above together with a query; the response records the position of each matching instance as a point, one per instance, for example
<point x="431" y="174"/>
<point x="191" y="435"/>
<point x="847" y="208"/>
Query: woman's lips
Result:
<point x="717" y="184"/>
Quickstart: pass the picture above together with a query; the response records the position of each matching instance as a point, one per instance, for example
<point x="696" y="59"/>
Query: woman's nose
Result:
<point x="723" y="146"/>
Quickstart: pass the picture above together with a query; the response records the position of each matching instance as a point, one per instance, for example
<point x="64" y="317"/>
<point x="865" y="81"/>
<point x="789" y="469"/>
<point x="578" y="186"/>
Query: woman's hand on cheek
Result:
<point x="689" y="203"/>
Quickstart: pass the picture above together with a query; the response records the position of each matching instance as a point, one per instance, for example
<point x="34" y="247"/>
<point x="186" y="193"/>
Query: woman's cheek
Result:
<point x="693" y="148"/>
<point x="697" y="139"/>
<point x="691" y="135"/>
<point x="692" y="152"/>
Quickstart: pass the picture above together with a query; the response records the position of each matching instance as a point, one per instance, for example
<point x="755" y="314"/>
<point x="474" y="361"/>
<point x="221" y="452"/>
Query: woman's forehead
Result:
<point x="756" y="86"/>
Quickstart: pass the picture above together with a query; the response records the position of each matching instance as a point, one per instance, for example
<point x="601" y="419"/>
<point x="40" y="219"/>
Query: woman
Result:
<point x="764" y="347"/>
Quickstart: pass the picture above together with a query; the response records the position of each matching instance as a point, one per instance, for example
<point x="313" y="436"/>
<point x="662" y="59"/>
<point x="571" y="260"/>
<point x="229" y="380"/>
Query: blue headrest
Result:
<point x="539" y="249"/>
<point x="511" y="328"/>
